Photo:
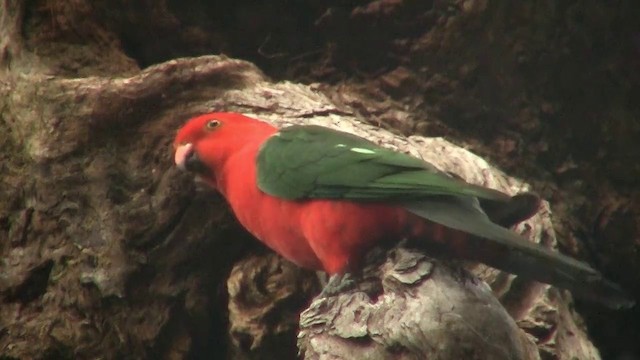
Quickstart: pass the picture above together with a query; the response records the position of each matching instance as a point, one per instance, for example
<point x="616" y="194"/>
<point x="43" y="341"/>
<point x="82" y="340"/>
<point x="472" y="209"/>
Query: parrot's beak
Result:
<point x="186" y="158"/>
<point x="182" y="155"/>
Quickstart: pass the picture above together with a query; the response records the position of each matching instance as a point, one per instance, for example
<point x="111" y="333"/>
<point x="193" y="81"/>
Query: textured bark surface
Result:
<point x="107" y="251"/>
<point x="123" y="231"/>
<point x="426" y="310"/>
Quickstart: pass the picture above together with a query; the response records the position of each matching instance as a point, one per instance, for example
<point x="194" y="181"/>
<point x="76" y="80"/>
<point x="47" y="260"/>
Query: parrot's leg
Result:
<point x="338" y="283"/>
<point x="366" y="280"/>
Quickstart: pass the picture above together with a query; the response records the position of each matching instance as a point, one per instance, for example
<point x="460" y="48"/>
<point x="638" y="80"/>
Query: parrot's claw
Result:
<point x="338" y="283"/>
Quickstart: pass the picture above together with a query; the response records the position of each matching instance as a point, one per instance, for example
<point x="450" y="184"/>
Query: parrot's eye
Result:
<point x="212" y="124"/>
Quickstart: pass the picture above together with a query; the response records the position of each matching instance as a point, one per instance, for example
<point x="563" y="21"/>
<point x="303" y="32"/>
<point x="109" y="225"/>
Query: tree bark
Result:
<point x="426" y="310"/>
<point x="108" y="251"/>
<point x="114" y="228"/>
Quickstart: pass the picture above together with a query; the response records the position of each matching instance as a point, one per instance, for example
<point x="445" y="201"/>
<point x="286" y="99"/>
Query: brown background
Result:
<point x="107" y="251"/>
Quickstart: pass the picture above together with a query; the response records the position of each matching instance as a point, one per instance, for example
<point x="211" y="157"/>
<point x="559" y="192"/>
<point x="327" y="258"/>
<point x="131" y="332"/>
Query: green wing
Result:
<point x="307" y="161"/>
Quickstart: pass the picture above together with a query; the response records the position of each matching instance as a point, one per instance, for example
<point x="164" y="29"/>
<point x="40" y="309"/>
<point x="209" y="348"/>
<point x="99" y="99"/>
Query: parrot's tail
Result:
<point x="518" y="256"/>
<point x="505" y="250"/>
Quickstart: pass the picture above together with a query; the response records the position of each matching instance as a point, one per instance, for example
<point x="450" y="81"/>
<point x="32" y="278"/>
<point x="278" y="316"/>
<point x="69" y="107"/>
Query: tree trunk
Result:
<point x="109" y="252"/>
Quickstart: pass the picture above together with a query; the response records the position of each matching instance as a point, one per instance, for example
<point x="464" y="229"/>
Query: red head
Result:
<point x="206" y="141"/>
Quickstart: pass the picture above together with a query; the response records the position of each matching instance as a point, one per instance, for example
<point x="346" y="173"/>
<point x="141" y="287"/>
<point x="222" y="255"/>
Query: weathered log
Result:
<point x="103" y="226"/>
<point x="107" y="251"/>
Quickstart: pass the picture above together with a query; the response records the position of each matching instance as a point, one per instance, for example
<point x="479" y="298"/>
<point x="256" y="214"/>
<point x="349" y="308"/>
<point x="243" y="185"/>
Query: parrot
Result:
<point x="321" y="198"/>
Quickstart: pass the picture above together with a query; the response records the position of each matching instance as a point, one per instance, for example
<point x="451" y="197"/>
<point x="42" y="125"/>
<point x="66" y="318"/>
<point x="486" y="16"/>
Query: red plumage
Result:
<point x="333" y="235"/>
<point x="329" y="235"/>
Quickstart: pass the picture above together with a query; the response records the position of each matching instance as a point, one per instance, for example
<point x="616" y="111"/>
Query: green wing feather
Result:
<point x="307" y="161"/>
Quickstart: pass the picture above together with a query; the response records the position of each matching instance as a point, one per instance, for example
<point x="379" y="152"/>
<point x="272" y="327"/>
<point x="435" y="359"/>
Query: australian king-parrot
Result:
<point x="321" y="198"/>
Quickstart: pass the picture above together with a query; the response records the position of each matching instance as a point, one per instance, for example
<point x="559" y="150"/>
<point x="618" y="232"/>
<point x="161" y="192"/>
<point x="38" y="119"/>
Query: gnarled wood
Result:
<point x="107" y="251"/>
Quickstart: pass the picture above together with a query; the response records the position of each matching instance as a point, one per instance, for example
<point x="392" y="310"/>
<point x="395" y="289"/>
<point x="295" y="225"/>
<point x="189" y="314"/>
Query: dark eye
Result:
<point x="212" y="124"/>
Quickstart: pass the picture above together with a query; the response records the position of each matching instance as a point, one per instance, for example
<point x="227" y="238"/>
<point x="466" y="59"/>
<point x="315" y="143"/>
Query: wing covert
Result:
<point x="308" y="161"/>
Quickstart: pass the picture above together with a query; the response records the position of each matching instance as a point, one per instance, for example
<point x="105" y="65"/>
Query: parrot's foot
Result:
<point x="337" y="284"/>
